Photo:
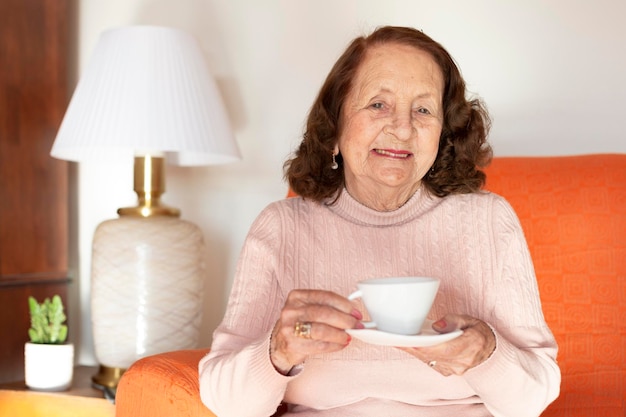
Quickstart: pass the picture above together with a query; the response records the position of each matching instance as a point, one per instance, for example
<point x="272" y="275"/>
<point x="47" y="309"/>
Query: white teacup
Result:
<point x="399" y="304"/>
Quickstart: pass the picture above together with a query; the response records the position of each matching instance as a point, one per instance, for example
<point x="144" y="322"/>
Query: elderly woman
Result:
<point x="389" y="185"/>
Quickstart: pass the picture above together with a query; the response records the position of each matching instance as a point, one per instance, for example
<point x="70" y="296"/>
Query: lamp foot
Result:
<point x="108" y="377"/>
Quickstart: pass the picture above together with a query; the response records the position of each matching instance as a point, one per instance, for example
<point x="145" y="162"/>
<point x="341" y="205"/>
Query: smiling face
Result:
<point x="391" y="124"/>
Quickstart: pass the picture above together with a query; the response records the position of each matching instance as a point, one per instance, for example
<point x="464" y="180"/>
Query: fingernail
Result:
<point x="359" y="325"/>
<point x="441" y="324"/>
<point x="356" y="314"/>
<point x="349" y="340"/>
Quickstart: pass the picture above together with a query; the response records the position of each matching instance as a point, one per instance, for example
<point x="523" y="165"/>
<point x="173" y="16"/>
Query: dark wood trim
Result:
<point x="33" y="279"/>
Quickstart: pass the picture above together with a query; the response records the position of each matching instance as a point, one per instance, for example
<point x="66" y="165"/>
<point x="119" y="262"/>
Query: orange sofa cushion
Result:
<point x="162" y="385"/>
<point x="573" y="212"/>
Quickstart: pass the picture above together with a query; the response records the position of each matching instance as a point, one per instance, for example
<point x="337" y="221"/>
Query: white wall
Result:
<point x="551" y="73"/>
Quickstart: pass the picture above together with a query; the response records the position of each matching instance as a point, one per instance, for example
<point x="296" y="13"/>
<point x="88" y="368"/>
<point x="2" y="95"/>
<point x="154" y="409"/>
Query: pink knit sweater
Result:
<point x="472" y="242"/>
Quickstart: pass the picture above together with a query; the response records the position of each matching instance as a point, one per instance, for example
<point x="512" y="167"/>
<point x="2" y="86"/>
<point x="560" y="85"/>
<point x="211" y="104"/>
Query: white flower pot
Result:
<point x="48" y="367"/>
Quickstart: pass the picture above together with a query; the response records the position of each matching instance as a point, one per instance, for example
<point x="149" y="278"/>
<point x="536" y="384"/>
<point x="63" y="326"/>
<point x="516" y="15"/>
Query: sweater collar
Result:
<point x="350" y="209"/>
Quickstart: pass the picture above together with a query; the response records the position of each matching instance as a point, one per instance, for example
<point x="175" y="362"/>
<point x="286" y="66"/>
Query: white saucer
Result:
<point x="427" y="337"/>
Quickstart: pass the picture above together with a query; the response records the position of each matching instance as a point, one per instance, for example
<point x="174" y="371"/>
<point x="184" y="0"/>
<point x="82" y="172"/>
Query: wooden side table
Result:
<point x="81" y="384"/>
<point x="16" y="399"/>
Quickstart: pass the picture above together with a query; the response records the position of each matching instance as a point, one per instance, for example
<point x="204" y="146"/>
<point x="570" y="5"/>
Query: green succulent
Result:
<point x="46" y="321"/>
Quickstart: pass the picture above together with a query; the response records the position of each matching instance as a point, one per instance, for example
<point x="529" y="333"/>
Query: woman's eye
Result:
<point x="377" y="106"/>
<point x="423" y="110"/>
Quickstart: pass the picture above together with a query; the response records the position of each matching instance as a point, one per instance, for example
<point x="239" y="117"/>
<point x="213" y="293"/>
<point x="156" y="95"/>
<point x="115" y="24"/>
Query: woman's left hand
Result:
<point x="458" y="355"/>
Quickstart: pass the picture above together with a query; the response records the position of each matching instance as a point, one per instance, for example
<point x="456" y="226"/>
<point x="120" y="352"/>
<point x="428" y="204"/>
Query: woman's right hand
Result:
<point x="329" y="315"/>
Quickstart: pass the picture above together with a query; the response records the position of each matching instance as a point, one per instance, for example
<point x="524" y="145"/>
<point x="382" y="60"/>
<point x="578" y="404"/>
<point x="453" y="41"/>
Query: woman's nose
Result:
<point x="401" y="126"/>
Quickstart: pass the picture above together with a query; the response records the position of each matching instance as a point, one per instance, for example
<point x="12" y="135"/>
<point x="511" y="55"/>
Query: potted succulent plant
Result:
<point x="48" y="360"/>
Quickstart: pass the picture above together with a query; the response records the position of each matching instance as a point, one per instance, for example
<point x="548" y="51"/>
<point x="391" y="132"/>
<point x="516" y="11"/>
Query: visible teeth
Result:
<point x="395" y="155"/>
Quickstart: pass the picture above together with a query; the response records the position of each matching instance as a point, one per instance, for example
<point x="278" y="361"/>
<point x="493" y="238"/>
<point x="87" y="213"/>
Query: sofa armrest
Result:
<point x="162" y="385"/>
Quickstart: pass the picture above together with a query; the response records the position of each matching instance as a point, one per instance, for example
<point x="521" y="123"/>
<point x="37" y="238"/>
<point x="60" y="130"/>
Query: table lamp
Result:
<point x="146" y="94"/>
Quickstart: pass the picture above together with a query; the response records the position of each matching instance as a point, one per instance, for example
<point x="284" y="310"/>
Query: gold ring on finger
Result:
<point x="303" y="329"/>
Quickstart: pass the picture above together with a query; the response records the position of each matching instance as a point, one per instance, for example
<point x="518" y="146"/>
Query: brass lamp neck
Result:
<point x="149" y="184"/>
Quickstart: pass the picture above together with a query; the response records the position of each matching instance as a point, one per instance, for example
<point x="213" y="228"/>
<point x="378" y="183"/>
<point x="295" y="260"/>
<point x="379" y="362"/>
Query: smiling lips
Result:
<point x="393" y="153"/>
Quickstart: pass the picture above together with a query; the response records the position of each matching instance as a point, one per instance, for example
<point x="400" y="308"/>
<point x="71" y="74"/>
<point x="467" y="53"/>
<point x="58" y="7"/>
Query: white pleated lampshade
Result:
<point x="147" y="88"/>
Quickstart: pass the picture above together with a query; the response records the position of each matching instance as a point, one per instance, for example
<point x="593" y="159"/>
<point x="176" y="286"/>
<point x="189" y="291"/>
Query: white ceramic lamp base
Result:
<point x="147" y="286"/>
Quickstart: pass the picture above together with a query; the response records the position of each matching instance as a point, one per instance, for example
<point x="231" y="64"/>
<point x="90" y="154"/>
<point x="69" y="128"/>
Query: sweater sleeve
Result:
<point x="238" y="366"/>
<point x="522" y="377"/>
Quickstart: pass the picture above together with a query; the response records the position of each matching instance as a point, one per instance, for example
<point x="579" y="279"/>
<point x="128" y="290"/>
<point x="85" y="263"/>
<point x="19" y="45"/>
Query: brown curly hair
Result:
<point x="463" y="147"/>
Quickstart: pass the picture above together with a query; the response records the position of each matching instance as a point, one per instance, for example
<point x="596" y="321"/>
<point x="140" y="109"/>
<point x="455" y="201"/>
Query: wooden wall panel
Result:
<point x="34" y="60"/>
<point x="33" y="186"/>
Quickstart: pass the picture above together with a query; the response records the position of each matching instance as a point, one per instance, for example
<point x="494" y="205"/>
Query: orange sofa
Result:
<point x="573" y="211"/>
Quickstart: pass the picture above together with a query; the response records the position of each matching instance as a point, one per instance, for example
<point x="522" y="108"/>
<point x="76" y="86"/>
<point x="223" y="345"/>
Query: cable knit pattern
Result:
<point x="473" y="243"/>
